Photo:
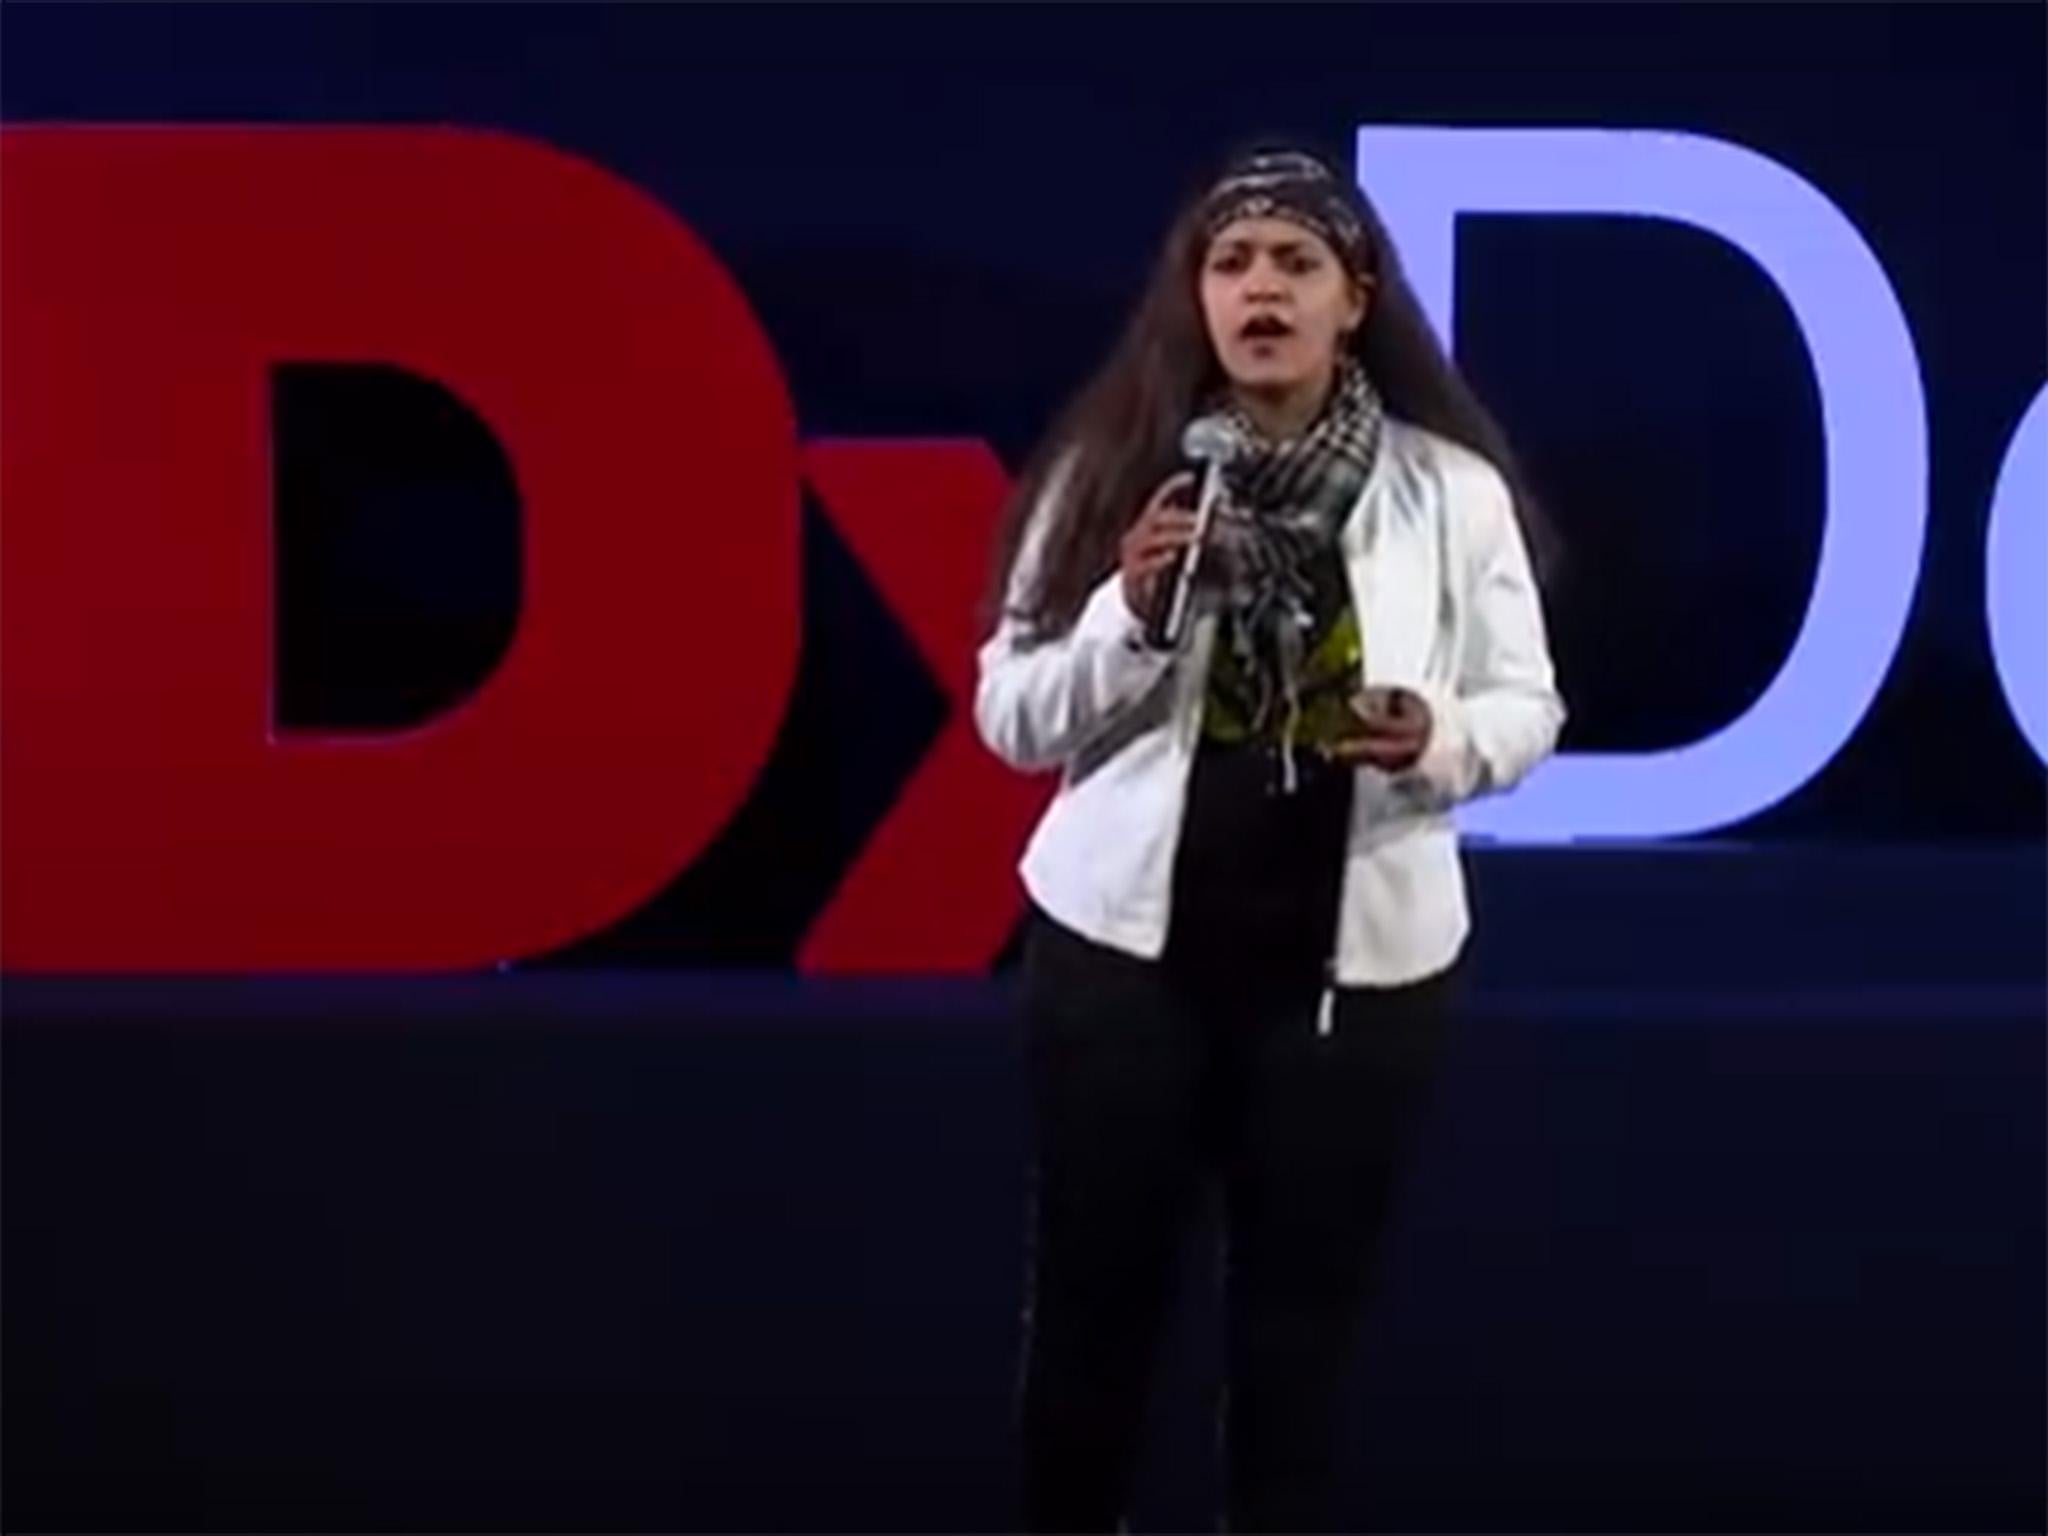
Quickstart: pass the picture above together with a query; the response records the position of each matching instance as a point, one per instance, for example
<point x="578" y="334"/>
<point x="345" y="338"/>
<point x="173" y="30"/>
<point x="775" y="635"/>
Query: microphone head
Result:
<point x="1211" y="439"/>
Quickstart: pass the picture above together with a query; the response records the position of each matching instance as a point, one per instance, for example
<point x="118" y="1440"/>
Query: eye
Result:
<point x="1301" y="263"/>
<point x="1231" y="260"/>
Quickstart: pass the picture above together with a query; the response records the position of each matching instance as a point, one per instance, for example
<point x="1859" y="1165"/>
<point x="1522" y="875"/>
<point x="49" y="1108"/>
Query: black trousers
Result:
<point x="1150" y="1080"/>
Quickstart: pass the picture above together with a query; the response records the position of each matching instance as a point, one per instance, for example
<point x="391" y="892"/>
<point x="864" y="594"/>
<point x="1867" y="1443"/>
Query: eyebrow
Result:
<point x="1286" y="247"/>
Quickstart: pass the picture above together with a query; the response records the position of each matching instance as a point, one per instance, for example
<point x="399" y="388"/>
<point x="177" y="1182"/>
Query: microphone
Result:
<point x="1212" y="442"/>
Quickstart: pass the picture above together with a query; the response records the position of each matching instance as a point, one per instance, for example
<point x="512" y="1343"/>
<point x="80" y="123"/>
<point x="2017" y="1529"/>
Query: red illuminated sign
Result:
<point x="153" y="818"/>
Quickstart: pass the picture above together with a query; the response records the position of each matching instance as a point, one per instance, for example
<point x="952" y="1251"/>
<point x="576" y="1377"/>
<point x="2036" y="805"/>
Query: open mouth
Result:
<point x="1265" y="328"/>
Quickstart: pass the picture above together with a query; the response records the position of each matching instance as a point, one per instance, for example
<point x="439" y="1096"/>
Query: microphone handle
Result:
<point x="1173" y="597"/>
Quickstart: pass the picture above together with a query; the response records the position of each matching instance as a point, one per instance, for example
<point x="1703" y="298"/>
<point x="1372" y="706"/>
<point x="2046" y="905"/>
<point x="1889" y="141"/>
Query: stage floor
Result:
<point x="638" y="1251"/>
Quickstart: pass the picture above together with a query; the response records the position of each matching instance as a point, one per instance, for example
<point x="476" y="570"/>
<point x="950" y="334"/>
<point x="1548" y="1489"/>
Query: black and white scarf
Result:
<point x="1275" y="536"/>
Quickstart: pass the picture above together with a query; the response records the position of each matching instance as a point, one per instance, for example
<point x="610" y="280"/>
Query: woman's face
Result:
<point x="1278" y="304"/>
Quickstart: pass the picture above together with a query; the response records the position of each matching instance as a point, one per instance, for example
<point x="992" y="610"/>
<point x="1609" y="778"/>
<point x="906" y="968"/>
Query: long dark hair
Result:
<point x="1120" y="436"/>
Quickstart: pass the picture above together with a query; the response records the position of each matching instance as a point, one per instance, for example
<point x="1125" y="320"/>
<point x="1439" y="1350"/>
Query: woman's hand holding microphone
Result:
<point x="1153" y="543"/>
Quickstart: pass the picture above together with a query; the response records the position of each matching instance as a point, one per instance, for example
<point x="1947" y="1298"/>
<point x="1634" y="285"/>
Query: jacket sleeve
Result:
<point x="1038" y="700"/>
<point x="1505" y="713"/>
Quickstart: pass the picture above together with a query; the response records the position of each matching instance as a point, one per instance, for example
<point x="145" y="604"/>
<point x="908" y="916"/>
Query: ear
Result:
<point x="1361" y="296"/>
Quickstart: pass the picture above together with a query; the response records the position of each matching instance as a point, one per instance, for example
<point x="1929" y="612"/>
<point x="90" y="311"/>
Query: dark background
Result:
<point x="1732" y="1215"/>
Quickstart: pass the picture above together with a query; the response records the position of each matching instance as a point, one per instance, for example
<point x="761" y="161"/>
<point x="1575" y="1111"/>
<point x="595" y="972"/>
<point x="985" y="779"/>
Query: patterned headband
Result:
<point x="1299" y="188"/>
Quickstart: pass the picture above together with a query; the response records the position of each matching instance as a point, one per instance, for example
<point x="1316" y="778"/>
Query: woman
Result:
<point x="1249" y="904"/>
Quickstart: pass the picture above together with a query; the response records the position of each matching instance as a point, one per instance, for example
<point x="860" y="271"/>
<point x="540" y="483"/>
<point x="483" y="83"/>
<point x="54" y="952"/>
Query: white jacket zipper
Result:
<point x="1352" y="545"/>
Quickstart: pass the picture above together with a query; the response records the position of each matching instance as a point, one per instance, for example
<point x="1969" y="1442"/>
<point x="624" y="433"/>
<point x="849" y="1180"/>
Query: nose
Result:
<point x="1265" y="282"/>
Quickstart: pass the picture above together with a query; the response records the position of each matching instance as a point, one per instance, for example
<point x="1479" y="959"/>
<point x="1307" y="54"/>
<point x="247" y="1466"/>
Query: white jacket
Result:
<point x="1447" y="607"/>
